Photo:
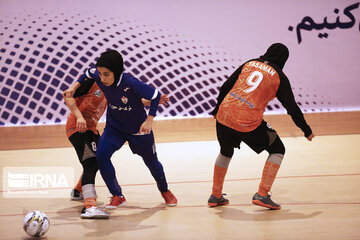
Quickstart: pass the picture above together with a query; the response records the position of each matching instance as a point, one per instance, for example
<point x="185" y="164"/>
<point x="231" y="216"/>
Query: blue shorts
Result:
<point x="112" y="140"/>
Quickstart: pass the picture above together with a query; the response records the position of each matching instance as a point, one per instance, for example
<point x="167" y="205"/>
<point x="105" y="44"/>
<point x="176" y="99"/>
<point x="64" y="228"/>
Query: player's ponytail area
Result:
<point x="317" y="187"/>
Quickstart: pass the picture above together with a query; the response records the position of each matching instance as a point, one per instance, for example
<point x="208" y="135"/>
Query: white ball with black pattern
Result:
<point x="36" y="223"/>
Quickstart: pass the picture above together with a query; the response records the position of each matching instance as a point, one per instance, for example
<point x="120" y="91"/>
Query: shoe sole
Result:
<point x="217" y="204"/>
<point x="94" y="217"/>
<point x="171" y="204"/>
<point x="113" y="207"/>
<point x="260" y="203"/>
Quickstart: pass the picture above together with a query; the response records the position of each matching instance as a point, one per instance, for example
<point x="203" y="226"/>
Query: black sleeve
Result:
<point x="226" y="87"/>
<point x="287" y="99"/>
<point x="84" y="88"/>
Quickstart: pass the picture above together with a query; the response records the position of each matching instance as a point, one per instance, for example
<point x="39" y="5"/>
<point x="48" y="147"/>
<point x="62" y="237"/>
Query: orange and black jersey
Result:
<point x="92" y="104"/>
<point x="246" y="93"/>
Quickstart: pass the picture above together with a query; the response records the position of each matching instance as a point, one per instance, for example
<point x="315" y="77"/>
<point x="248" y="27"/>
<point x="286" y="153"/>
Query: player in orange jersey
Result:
<point x="87" y="105"/>
<point x="239" y="118"/>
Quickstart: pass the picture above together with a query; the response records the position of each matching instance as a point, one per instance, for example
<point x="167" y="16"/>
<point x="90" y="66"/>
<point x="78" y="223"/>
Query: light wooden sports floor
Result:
<point x="317" y="186"/>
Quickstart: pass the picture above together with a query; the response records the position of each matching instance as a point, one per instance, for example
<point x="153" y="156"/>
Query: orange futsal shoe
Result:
<point x="170" y="199"/>
<point x="214" y="201"/>
<point x="116" y="201"/>
<point x="265" y="202"/>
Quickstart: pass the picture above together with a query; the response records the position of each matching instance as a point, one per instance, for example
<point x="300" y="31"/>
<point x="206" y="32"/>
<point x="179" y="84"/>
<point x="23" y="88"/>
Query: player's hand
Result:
<point x="310" y="137"/>
<point x="81" y="124"/>
<point x="69" y="92"/>
<point x="147" y="125"/>
<point x="164" y="100"/>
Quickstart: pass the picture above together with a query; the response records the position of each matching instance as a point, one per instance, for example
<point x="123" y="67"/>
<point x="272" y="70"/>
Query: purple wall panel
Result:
<point x="43" y="51"/>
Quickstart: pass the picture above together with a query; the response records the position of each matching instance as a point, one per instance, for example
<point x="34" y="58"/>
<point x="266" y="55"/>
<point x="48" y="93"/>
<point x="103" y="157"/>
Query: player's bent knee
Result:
<point x="227" y="152"/>
<point x="102" y="157"/>
<point x="276" y="147"/>
<point x="90" y="165"/>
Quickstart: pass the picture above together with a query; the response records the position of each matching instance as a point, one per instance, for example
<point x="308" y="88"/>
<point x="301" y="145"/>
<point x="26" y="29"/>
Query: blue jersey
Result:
<point x="125" y="110"/>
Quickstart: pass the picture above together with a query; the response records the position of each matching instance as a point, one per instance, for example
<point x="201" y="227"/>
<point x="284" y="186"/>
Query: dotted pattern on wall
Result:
<point x="43" y="53"/>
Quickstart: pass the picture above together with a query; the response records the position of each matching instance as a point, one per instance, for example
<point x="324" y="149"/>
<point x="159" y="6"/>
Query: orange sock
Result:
<point x="218" y="180"/>
<point x="268" y="176"/>
<point x="90" y="202"/>
<point x="78" y="185"/>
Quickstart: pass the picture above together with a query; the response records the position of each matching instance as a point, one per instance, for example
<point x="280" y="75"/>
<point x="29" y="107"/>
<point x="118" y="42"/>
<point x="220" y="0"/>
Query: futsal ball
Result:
<point x="36" y="223"/>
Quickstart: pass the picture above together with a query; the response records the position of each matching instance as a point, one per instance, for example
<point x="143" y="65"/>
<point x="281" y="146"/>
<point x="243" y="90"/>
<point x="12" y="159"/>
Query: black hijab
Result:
<point x="112" y="60"/>
<point x="277" y="54"/>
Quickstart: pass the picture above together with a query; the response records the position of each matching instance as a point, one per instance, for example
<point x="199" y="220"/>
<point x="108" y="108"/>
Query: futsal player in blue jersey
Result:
<point x="126" y="120"/>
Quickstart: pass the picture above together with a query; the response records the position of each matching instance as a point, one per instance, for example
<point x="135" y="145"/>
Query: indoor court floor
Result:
<point x="317" y="186"/>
